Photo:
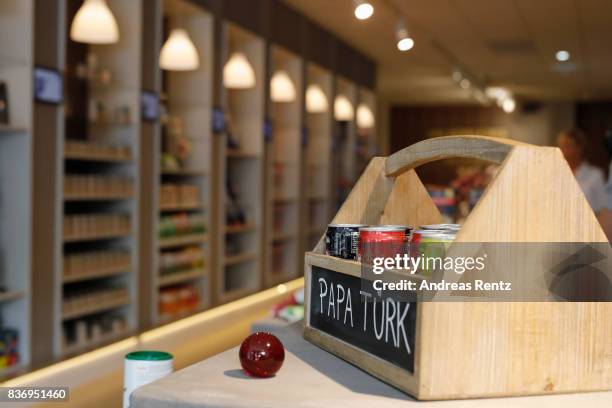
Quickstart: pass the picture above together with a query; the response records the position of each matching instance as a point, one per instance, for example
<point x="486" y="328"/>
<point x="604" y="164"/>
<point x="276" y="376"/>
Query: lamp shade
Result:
<point x="281" y="87"/>
<point x="343" y="109"/>
<point x="365" y="117"/>
<point x="316" y="101"/>
<point x="179" y="53"/>
<point x="508" y="105"/>
<point x="94" y="23"/>
<point x="238" y="72"/>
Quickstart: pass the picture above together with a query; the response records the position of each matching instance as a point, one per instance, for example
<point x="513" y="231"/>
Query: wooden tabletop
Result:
<point x="310" y="377"/>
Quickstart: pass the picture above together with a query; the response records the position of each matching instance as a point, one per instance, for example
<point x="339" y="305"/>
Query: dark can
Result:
<point x="341" y="240"/>
<point x="384" y="241"/>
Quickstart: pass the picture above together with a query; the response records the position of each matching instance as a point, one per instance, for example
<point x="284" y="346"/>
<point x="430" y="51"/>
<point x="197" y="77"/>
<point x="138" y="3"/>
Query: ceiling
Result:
<point x="509" y="43"/>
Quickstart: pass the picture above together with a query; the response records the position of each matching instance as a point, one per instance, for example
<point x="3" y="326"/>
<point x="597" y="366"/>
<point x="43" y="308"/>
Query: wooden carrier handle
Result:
<point x="491" y="149"/>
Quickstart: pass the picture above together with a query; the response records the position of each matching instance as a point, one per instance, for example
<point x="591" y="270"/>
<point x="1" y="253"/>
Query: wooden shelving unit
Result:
<point x="284" y="236"/>
<point x="96" y="237"/>
<point x="233" y="153"/>
<point x="16" y="62"/>
<point x="183" y="180"/>
<point x="11" y="295"/>
<point x="284" y="154"/>
<point x="241" y="171"/>
<point x="96" y="157"/>
<point x="9" y="130"/>
<point x="183" y="172"/>
<point x="181" y="241"/>
<point x="97" y="273"/>
<point x="180" y="277"/>
<point x="181" y="207"/>
<point x="99" y="158"/>
<point x="228" y="185"/>
<point x="365" y="142"/>
<point x="97" y="197"/>
<point x="344" y="145"/>
<point x="96" y="307"/>
<point x="239" y="258"/>
<point x="317" y="160"/>
<point x="170" y="318"/>
<point x="103" y="340"/>
<point x="87" y="151"/>
<point x="240" y="228"/>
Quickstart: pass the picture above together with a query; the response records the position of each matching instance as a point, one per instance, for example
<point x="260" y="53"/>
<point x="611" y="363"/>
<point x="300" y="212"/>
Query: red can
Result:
<point x="382" y="241"/>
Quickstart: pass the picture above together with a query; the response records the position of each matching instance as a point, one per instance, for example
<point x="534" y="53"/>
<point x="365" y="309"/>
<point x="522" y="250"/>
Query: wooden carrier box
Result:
<point x="477" y="349"/>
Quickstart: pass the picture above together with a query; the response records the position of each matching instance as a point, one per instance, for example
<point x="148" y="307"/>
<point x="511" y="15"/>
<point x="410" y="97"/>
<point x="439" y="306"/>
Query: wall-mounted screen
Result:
<point x="47" y="85"/>
<point x="149" y="102"/>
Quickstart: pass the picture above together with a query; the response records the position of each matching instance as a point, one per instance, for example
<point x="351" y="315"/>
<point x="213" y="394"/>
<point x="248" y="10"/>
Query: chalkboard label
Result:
<point x="383" y="327"/>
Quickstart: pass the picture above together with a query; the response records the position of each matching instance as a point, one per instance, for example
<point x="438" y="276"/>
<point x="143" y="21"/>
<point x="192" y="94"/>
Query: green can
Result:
<point x="430" y="245"/>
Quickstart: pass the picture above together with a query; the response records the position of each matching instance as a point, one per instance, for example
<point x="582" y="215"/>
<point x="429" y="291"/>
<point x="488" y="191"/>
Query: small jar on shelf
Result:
<point x="95" y="261"/>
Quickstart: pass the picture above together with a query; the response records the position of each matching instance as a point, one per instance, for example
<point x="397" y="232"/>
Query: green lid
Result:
<point x="149" y="355"/>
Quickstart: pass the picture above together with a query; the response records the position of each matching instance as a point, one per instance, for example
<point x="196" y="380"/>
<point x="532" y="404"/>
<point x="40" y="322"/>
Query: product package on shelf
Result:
<point x="177" y="195"/>
<point x="444" y="199"/>
<point x="181" y="224"/>
<point x="177" y="300"/>
<point x="82" y="300"/>
<point x="185" y="259"/>
<point x="91" y="331"/>
<point x="189" y="194"/>
<point x="93" y="262"/>
<point x="77" y="226"/>
<point x="9" y="353"/>
<point x="178" y="147"/>
<point x="96" y="185"/>
<point x="101" y="113"/>
<point x="290" y="309"/>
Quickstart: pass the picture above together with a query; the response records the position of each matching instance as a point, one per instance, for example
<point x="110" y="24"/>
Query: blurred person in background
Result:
<point x="605" y="214"/>
<point x="590" y="178"/>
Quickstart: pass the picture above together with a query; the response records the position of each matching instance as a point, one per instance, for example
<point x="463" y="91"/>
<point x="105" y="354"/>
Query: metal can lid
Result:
<point x="405" y="227"/>
<point x="439" y="235"/>
<point x="347" y="225"/>
<point x="441" y="227"/>
<point x="384" y="228"/>
<point x="452" y="227"/>
<point x="430" y="231"/>
<point x="148" y="355"/>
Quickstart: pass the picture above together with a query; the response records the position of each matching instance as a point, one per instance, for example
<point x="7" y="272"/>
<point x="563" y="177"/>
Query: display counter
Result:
<point x="309" y="377"/>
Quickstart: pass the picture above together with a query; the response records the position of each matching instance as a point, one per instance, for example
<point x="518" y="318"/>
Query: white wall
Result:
<point x="540" y="127"/>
